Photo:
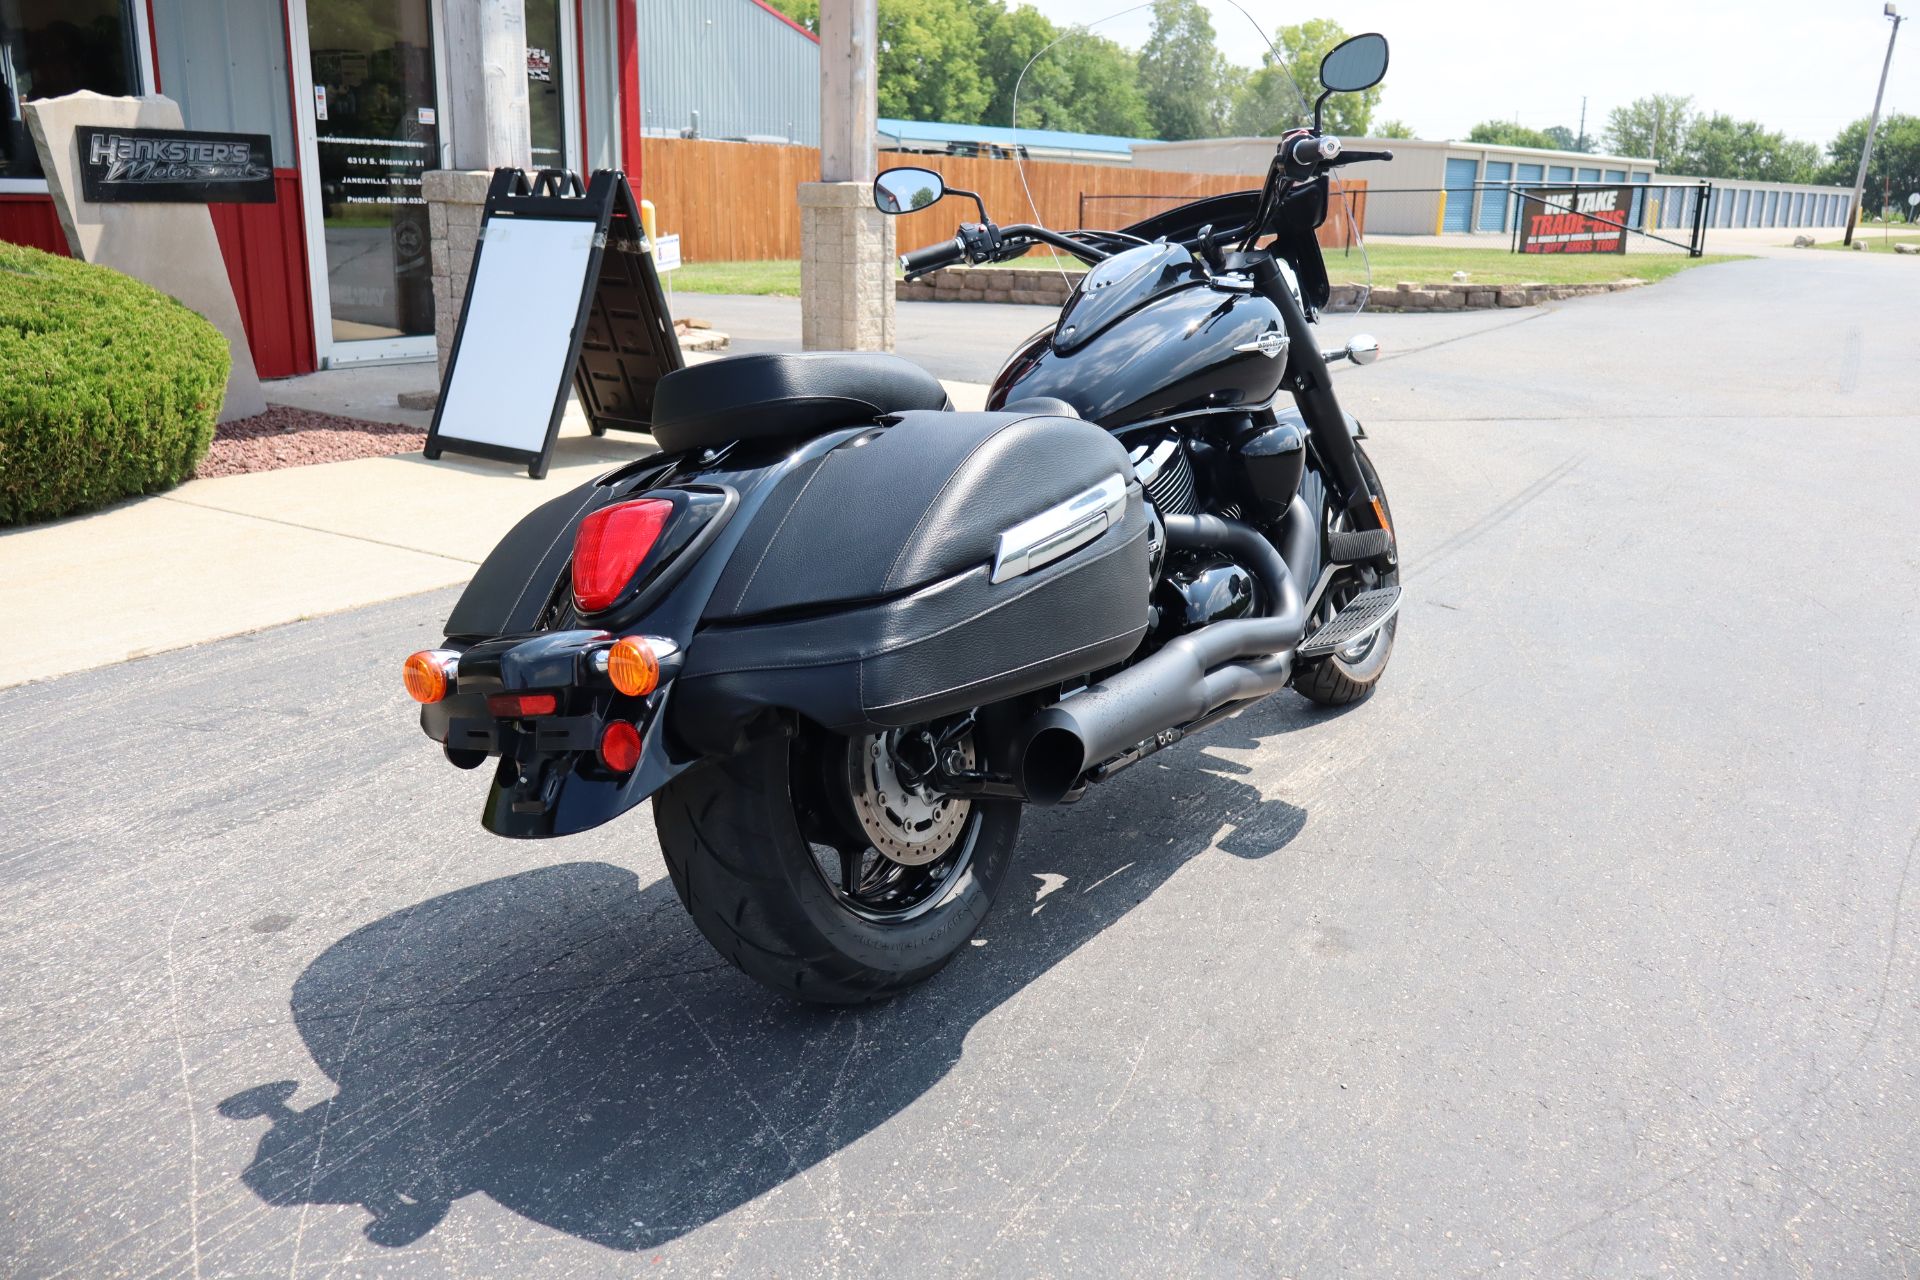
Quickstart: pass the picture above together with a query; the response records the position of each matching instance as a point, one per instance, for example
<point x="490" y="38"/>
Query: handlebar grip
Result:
<point x="1306" y="150"/>
<point x="934" y="255"/>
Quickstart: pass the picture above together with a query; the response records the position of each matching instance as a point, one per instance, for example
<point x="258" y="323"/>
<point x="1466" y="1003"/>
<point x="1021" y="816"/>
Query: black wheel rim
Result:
<point x="861" y="879"/>
<point x="886" y="892"/>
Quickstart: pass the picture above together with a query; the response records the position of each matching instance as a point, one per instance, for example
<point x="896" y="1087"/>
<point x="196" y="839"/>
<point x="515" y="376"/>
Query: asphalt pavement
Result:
<point x="1586" y="947"/>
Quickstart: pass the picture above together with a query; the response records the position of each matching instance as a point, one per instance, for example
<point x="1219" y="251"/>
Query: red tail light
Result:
<point x="620" y="746"/>
<point x="610" y="545"/>
<point x="520" y="706"/>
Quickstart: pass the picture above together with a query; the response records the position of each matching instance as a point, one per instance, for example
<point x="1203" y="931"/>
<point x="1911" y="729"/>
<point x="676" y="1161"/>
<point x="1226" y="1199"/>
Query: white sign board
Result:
<point x="517" y="341"/>
<point x="666" y="253"/>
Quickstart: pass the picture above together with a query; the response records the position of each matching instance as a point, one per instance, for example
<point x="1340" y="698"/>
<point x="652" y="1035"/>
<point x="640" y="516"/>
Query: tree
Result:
<point x="1655" y="126"/>
<point x="1896" y="159"/>
<point x="959" y="60"/>
<point x="928" y="61"/>
<point x="1106" y="92"/>
<point x="1291" y="92"/>
<point x="1265" y="104"/>
<point x="1182" y="74"/>
<point x="1010" y="39"/>
<point x="1505" y="133"/>
<point x="1718" y="146"/>
<point x="1563" y="139"/>
<point x="1393" y="129"/>
<point x="804" y="12"/>
<point x="1083" y="84"/>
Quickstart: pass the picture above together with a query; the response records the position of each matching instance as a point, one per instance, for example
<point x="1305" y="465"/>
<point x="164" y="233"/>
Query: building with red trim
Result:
<point x="353" y="95"/>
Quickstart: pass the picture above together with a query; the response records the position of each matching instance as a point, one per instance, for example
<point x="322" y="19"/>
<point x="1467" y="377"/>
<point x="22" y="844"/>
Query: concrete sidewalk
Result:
<point x="219" y="557"/>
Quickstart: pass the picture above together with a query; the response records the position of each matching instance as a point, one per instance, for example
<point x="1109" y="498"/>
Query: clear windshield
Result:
<point x="1160" y="71"/>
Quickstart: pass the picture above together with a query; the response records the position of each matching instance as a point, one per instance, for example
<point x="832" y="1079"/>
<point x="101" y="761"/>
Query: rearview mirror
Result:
<point x="1356" y="64"/>
<point x="904" y="190"/>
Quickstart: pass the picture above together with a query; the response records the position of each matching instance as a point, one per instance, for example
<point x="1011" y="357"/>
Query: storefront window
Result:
<point x="546" y="90"/>
<point x="54" y="47"/>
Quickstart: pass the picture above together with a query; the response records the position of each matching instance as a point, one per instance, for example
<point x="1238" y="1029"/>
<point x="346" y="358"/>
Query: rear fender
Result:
<point x="554" y="785"/>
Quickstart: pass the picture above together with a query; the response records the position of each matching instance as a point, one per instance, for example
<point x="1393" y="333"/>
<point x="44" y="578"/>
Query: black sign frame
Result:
<point x="231" y="168"/>
<point x="623" y="340"/>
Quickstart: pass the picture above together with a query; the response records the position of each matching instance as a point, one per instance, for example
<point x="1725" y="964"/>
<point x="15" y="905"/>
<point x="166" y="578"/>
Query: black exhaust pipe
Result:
<point x="1188" y="678"/>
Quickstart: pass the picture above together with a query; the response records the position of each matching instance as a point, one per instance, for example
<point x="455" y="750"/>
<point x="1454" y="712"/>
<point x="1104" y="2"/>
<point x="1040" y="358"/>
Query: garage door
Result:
<point x="1493" y="199"/>
<point x="1460" y="175"/>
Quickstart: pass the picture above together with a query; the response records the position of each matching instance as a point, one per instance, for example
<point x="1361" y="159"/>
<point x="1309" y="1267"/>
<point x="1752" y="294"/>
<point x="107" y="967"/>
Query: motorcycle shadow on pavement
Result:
<point x="565" y="1042"/>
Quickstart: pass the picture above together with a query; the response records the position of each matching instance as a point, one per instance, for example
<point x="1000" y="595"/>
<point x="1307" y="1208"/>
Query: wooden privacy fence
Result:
<point x="734" y="201"/>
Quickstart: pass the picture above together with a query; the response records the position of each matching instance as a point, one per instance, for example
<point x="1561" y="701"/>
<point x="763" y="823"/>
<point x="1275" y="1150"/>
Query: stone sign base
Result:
<point x="169" y="246"/>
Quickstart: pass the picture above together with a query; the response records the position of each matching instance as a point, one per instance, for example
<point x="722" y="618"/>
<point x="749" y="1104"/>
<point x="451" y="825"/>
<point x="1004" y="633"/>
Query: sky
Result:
<point x="1800" y="66"/>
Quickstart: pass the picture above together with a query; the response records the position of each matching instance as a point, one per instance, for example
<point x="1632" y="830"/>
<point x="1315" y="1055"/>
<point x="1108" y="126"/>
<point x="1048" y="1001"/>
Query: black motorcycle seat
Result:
<point x="785" y="395"/>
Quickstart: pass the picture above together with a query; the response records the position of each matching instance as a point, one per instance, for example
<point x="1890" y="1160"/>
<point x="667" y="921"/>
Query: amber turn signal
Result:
<point x="633" y="666"/>
<point x="429" y="674"/>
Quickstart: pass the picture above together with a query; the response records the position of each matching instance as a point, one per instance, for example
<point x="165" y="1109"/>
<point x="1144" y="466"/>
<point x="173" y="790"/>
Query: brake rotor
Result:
<point x="910" y="825"/>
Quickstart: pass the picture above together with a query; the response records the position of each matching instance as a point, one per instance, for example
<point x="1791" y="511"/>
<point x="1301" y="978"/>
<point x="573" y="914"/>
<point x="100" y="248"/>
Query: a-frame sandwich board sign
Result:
<point x="562" y="294"/>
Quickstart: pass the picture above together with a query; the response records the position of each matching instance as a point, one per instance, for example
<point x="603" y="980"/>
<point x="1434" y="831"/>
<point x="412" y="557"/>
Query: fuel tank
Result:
<point x="1146" y="335"/>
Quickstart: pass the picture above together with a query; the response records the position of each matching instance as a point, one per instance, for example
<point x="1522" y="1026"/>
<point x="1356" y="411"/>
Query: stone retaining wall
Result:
<point x="1034" y="285"/>
<point x="1046" y="288"/>
<point x="1468" y="296"/>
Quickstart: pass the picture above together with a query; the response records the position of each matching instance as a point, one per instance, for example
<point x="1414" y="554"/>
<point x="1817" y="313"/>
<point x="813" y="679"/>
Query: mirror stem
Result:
<point x="978" y="203"/>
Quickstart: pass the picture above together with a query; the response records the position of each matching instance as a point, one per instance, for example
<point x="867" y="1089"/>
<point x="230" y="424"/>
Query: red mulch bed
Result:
<point x="286" y="437"/>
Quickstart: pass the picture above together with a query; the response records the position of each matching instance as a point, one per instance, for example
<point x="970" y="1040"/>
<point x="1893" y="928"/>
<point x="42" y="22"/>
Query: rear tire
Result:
<point x="1337" y="681"/>
<point x="731" y="831"/>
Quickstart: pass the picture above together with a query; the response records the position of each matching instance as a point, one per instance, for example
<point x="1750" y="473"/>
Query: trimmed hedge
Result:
<point x="108" y="387"/>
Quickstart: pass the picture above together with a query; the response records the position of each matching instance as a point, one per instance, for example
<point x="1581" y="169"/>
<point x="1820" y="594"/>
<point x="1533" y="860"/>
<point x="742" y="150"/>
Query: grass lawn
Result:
<point x="1435" y="264"/>
<point x="1421" y="264"/>
<point x="779" y="277"/>
<point x="1876" y="240"/>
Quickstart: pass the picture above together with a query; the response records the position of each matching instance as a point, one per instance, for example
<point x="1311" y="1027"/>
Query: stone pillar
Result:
<point x="846" y="245"/>
<point x="486" y="62"/>
<point x="486" y="68"/>
<point x="454" y="199"/>
<point x="846" y="269"/>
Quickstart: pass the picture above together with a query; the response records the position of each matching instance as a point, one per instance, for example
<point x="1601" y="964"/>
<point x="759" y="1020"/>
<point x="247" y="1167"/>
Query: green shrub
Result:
<point x="108" y="387"/>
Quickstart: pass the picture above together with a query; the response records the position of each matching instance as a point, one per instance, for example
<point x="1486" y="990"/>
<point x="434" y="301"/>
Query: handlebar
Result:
<point x="933" y="256"/>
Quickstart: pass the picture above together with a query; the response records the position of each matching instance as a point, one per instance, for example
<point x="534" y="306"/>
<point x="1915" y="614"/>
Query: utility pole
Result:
<point x="1866" y="152"/>
<point x="1580" y="142"/>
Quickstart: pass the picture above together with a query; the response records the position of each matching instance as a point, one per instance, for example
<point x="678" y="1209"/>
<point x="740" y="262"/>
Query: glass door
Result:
<point x="376" y="125"/>
<point x="549" y="106"/>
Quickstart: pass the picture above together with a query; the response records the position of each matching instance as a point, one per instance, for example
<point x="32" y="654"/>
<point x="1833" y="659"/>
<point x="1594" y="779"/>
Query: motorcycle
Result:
<point x="841" y="633"/>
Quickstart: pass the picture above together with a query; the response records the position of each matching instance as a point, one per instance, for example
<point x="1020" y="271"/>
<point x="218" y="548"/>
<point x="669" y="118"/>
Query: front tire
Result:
<point x="742" y="838"/>
<point x="1342" y="679"/>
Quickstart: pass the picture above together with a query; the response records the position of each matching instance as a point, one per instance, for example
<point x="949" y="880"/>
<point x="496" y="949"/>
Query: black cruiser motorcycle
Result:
<point x="841" y="634"/>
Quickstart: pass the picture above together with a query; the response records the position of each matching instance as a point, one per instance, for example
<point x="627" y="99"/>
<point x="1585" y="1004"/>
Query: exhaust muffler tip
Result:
<point x="1052" y="758"/>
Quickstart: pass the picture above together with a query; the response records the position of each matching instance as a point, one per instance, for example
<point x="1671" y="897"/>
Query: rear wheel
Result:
<point x="1350" y="675"/>
<point x="826" y="868"/>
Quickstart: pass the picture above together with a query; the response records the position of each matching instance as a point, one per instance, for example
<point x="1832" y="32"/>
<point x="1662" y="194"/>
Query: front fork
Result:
<point x="1312" y="387"/>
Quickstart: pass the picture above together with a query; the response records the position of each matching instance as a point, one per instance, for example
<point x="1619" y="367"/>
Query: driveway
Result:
<point x="1586" y="947"/>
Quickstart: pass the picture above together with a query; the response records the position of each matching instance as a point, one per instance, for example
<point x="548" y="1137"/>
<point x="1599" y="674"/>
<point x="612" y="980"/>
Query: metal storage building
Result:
<point x="1405" y="194"/>
<point x="729" y="70"/>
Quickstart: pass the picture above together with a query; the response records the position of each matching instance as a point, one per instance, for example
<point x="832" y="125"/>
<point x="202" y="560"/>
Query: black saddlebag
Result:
<point x="864" y="596"/>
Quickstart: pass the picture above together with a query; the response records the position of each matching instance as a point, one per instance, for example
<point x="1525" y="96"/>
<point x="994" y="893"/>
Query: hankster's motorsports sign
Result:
<point x="176" y="166"/>
<point x="1574" y="220"/>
